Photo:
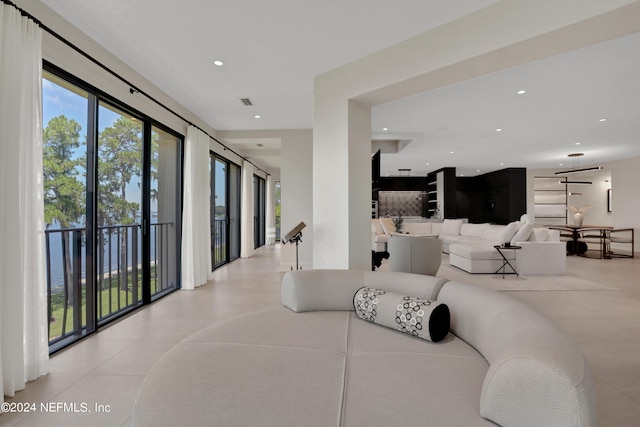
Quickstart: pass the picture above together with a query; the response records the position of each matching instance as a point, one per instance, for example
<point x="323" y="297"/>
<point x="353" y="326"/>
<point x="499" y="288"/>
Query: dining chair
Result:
<point x="618" y="237"/>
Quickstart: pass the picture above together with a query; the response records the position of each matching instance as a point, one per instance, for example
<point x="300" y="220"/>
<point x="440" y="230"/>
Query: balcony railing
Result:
<point x="218" y="242"/>
<point x="118" y="275"/>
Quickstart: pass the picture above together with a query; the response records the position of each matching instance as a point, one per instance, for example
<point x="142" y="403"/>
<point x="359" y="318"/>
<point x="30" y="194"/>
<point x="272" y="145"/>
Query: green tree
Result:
<point x="120" y="159"/>
<point x="63" y="190"/>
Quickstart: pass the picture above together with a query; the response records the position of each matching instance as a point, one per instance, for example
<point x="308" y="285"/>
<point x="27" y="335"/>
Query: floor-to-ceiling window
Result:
<point x="112" y="181"/>
<point x="165" y="206"/>
<point x="225" y="210"/>
<point x="65" y="115"/>
<point x="119" y="211"/>
<point x="278" y="209"/>
<point x="259" y="210"/>
<point x="235" y="186"/>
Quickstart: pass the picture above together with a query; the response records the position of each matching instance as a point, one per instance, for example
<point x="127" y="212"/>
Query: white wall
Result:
<point x="296" y="173"/>
<point x="623" y="176"/>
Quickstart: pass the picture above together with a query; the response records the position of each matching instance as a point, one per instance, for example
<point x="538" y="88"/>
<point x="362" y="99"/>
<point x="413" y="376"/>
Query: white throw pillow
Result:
<point x="522" y="235"/>
<point x="525" y="218"/>
<point x="376" y="226"/>
<point x="539" y="234"/>
<point x="509" y="231"/>
<point x="472" y="230"/>
<point x="387" y="225"/>
<point x="494" y="233"/>
<point x="451" y="227"/>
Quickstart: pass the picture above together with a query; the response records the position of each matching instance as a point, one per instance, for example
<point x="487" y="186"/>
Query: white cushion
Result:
<point x="436" y="228"/>
<point x="525" y="218"/>
<point x="479" y="251"/>
<point x="509" y="231"/>
<point x="414" y="316"/>
<point x="376" y="226"/>
<point x="472" y="230"/>
<point x="493" y="233"/>
<point x="522" y="235"/>
<point x="539" y="234"/>
<point x="387" y="225"/>
<point x="451" y="227"/>
<point x="418" y="228"/>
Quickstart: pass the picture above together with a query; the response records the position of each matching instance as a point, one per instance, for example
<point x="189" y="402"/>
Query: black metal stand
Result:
<point x="297" y="239"/>
<point x="505" y="261"/>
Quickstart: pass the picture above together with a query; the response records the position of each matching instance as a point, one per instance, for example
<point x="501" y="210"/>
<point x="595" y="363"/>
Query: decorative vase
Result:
<point x="577" y="219"/>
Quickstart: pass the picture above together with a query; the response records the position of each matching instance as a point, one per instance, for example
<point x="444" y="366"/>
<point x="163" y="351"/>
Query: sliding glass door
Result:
<point x="165" y="208"/>
<point x="119" y="211"/>
<point x="219" y="235"/>
<point x="259" y="210"/>
<point x="235" y="185"/>
<point x="112" y="181"/>
<point x="225" y="210"/>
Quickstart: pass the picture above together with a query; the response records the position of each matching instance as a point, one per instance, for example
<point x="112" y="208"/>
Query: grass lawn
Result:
<point x="110" y="300"/>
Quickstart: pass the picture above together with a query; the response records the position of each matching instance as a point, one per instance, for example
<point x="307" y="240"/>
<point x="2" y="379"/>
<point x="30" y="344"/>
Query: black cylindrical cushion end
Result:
<point x="439" y="322"/>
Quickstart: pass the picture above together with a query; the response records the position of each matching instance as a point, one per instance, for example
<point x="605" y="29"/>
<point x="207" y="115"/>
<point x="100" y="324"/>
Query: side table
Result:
<point x="505" y="261"/>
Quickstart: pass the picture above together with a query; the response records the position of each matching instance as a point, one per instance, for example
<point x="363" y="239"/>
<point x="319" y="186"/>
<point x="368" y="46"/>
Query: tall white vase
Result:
<point x="577" y="219"/>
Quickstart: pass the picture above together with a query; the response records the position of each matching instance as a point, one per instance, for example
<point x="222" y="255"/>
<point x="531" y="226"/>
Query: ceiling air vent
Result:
<point x="246" y="101"/>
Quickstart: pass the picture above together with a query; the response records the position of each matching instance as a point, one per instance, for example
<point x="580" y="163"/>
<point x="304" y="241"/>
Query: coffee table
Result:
<point x="505" y="261"/>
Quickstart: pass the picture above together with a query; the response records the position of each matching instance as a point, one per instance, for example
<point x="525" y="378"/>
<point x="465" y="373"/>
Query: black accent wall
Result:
<point x="496" y="197"/>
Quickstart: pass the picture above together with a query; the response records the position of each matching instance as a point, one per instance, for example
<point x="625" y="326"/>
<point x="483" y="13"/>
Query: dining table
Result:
<point x="573" y="246"/>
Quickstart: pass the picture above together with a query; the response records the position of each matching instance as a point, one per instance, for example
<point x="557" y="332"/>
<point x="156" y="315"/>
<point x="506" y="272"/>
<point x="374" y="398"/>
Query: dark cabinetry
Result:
<point x="497" y="197"/>
<point x="441" y="192"/>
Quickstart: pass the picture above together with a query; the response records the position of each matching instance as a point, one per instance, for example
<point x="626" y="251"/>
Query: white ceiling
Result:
<point x="273" y="49"/>
<point x="566" y="97"/>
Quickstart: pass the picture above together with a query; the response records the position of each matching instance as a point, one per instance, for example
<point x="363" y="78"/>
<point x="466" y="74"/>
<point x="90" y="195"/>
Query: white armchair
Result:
<point x="419" y="255"/>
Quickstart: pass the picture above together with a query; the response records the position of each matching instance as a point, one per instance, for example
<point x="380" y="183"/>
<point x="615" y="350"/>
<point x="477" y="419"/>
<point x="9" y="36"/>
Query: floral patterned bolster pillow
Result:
<point x="429" y="320"/>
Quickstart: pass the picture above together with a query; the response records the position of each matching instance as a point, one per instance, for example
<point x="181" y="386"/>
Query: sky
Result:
<point x="57" y="100"/>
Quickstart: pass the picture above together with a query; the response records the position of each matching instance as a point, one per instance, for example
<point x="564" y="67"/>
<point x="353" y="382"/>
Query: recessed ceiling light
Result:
<point x="218" y="63"/>
<point x="499" y="130"/>
<point x="427" y="164"/>
<point x="522" y="92"/>
<point x="477" y="170"/>
<point x="257" y="116"/>
<point x="450" y="152"/>
<point x="501" y="164"/>
<point x="603" y="119"/>
<point x="560" y="164"/>
<point x="385" y="128"/>
<point x="576" y="143"/>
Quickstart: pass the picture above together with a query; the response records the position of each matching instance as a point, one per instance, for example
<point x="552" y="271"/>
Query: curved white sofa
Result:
<point x="316" y="364"/>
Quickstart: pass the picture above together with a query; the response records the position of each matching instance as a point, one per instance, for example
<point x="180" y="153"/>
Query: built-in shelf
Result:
<point x="550" y="200"/>
<point x="441" y="193"/>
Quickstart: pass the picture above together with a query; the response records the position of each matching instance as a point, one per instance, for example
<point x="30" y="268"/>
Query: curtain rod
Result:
<point x="132" y="88"/>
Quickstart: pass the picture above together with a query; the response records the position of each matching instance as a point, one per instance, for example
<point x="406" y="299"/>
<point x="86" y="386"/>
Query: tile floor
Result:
<point x="108" y="368"/>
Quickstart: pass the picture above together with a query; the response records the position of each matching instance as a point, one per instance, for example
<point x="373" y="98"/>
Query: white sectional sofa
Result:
<point x="315" y="363"/>
<point x="382" y="228"/>
<point x="471" y="246"/>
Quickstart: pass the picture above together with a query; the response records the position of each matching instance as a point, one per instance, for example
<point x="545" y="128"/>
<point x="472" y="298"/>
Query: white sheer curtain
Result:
<point x="270" y="211"/>
<point x="247" y="246"/>
<point x="24" y="351"/>
<point x="196" y="233"/>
